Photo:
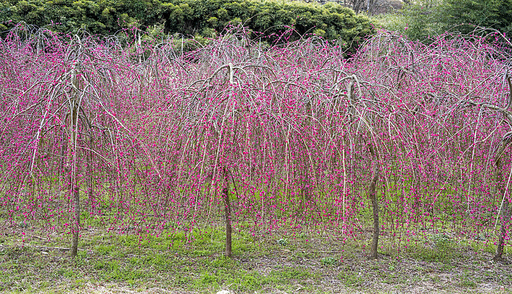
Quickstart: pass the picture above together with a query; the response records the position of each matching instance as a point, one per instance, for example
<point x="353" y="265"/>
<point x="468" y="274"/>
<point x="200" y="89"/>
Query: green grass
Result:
<point x="201" y="267"/>
<point x="441" y="249"/>
<point x="194" y="262"/>
<point x="351" y="279"/>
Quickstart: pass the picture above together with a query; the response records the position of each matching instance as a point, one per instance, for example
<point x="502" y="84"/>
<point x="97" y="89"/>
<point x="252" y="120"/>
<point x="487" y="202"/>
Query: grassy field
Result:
<point x="306" y="263"/>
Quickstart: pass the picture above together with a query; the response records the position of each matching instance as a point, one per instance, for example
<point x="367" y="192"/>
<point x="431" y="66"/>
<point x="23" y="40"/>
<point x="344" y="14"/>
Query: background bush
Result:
<point x="495" y="14"/>
<point x="192" y="17"/>
<point x="423" y="19"/>
<point x="99" y="17"/>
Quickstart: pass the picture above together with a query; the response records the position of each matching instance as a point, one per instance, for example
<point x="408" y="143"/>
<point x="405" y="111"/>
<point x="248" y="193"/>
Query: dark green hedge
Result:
<point x="495" y="14"/>
<point x="427" y="18"/>
<point x="98" y="17"/>
<point x="332" y="21"/>
<point x="190" y="17"/>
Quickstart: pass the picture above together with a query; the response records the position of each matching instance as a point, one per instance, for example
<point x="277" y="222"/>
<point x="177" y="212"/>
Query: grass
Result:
<point x="195" y="263"/>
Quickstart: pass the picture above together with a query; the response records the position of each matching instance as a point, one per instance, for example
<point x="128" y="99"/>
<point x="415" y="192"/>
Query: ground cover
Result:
<point x="305" y="263"/>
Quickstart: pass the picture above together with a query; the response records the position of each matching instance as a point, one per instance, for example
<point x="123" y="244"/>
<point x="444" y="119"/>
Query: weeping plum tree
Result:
<point x="151" y="141"/>
<point x="363" y="118"/>
<point x="503" y="186"/>
<point x="60" y="112"/>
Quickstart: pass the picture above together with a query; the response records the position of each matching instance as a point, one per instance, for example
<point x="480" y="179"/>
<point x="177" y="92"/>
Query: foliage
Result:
<point x="98" y="17"/>
<point x="331" y="21"/>
<point x="422" y="20"/>
<point x="205" y="18"/>
<point x="495" y="14"/>
<point x="419" y="20"/>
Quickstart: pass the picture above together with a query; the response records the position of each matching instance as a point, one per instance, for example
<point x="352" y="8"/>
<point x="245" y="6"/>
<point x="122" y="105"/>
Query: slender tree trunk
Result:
<point x="74" y="186"/>
<point x="370" y="7"/>
<point x="73" y="164"/>
<point x="503" y="233"/>
<point x="505" y="210"/>
<point x="76" y="224"/>
<point x="375" y="206"/>
<point x="227" y="212"/>
<point x="227" y="215"/>
<point x="356" y="5"/>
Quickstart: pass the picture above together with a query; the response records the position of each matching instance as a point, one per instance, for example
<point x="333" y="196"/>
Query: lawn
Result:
<point x="307" y="262"/>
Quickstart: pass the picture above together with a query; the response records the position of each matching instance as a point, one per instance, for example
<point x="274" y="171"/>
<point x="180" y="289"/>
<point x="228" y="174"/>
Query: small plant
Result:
<point x="282" y="242"/>
<point x="351" y="279"/>
<point x="329" y="261"/>
<point x="442" y="241"/>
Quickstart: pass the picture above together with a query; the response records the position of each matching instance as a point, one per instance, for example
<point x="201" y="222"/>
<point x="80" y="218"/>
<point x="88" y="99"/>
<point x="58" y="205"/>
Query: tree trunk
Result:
<point x="227" y="213"/>
<point x="73" y="164"/>
<point x="375" y="206"/>
<point x="76" y="224"/>
<point x="357" y="5"/>
<point x="73" y="181"/>
<point x="505" y="210"/>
